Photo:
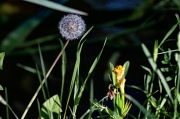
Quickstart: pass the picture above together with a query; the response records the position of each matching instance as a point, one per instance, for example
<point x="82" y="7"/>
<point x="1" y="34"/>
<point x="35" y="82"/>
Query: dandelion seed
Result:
<point x="71" y="27"/>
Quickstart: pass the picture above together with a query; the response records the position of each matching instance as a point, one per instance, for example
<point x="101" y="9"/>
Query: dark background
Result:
<point x="126" y="24"/>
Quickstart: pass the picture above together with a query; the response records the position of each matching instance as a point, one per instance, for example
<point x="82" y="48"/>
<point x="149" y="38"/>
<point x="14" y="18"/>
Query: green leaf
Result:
<point x="76" y="69"/>
<point x="126" y="65"/>
<point x="78" y="97"/>
<point x="1" y="88"/>
<point x="153" y="102"/>
<point x="51" y="108"/>
<point x="113" y="75"/>
<point x="56" y="6"/>
<point x="146" y="69"/>
<point x="2" y="54"/>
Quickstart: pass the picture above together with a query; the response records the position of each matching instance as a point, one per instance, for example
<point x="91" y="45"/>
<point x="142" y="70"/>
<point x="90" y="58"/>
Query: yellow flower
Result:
<point x="119" y="72"/>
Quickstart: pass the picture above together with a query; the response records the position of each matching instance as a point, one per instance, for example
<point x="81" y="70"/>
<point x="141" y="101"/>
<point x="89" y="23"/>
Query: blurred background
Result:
<point x="125" y="23"/>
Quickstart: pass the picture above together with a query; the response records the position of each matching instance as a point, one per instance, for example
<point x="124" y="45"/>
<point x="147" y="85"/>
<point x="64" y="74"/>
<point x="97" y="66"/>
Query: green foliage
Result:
<point x="121" y="107"/>
<point x="161" y="90"/>
<point x="51" y="108"/>
<point x="167" y="88"/>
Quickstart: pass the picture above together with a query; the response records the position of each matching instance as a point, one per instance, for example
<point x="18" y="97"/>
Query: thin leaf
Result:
<point x="76" y="67"/>
<point x="27" y="68"/>
<point x="146" y="69"/>
<point x="2" y="54"/>
<point x="126" y="65"/>
<point x="56" y="6"/>
<point x="89" y="73"/>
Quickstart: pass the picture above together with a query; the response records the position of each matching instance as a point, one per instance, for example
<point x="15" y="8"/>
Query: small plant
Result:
<point x="117" y="93"/>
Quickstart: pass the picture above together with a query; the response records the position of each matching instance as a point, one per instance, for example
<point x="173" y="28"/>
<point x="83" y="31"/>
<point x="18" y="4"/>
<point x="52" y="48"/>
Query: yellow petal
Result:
<point x="119" y="71"/>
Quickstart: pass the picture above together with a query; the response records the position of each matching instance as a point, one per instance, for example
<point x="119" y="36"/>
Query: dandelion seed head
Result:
<point x="71" y="27"/>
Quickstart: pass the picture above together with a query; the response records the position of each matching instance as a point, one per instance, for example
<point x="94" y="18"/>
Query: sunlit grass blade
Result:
<point x="76" y="67"/>
<point x="56" y="6"/>
<point x="146" y="113"/>
<point x="89" y="73"/>
<point x="155" y="68"/>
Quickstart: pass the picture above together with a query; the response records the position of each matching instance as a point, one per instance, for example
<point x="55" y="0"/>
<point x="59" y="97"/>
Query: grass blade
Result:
<point x="76" y="67"/>
<point x="89" y="73"/>
<point x="56" y="6"/>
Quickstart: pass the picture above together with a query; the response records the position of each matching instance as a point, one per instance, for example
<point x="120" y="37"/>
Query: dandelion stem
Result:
<point x="40" y="86"/>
